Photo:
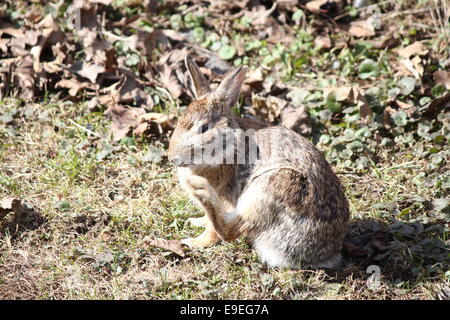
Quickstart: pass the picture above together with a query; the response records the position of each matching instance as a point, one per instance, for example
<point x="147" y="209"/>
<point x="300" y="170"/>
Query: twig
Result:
<point x="85" y="129"/>
<point x="361" y="9"/>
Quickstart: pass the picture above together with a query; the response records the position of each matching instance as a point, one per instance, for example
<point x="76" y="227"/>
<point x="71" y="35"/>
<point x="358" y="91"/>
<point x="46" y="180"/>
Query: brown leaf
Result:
<point x="130" y="92"/>
<point x="365" y="112"/>
<point x="87" y="70"/>
<point x="7" y="28"/>
<point x="171" y="82"/>
<point x="367" y="245"/>
<point x="323" y="42"/>
<point x="417" y="48"/>
<point x="317" y="6"/>
<point x="261" y="16"/>
<point x="267" y="108"/>
<point x="73" y="85"/>
<point x="165" y="121"/>
<point x="296" y="119"/>
<point x="24" y="77"/>
<point x="174" y="246"/>
<point x="413" y="66"/>
<point x="11" y="205"/>
<point x="409" y="108"/>
<point x="442" y="77"/>
<point x="342" y="93"/>
<point x="442" y="102"/>
<point x="255" y="76"/>
<point x="361" y="28"/>
<point x="154" y="123"/>
<point x="123" y="120"/>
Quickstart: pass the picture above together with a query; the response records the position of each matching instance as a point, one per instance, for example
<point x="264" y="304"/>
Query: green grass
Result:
<point x="81" y="244"/>
<point x="91" y="202"/>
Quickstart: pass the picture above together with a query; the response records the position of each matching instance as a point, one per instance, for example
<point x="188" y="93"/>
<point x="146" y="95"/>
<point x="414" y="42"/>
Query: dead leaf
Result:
<point x="408" y="108"/>
<point x="87" y="70"/>
<point x="318" y="6"/>
<point x="341" y="93"/>
<point x="73" y="85"/>
<point x="255" y="76"/>
<point x="323" y="42"/>
<point x="123" y="120"/>
<point x="174" y="246"/>
<point x="267" y="108"/>
<point x="155" y="123"/>
<point x="8" y="205"/>
<point x="413" y="66"/>
<point x="171" y="82"/>
<point x="439" y="103"/>
<point x="165" y="121"/>
<point x="24" y="77"/>
<point x="417" y="48"/>
<point x="369" y="245"/>
<point x="442" y="77"/>
<point x="261" y="16"/>
<point x="296" y="119"/>
<point x="361" y="28"/>
<point x="365" y="111"/>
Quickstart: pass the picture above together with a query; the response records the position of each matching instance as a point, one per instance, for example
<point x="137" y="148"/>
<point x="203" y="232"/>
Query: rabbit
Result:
<point x="281" y="195"/>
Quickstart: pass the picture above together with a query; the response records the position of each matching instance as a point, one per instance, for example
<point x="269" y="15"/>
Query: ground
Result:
<point x="88" y="199"/>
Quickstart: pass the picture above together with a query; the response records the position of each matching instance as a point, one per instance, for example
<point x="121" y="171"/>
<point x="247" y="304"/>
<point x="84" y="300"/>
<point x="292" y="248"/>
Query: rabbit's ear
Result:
<point x="227" y="93"/>
<point x="199" y="83"/>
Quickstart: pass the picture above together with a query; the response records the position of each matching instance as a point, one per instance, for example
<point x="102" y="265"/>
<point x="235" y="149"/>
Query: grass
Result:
<point x="83" y="238"/>
<point x="91" y="202"/>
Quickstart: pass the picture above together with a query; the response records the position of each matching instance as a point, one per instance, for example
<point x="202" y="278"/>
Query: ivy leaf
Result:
<point x="400" y="119"/>
<point x="368" y="69"/>
<point x="227" y="52"/>
<point x="332" y="103"/>
<point x="406" y="85"/>
<point x="132" y="60"/>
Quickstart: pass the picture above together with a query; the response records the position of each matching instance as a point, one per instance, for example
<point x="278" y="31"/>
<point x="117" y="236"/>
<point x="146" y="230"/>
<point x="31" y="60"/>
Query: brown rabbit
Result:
<point x="264" y="182"/>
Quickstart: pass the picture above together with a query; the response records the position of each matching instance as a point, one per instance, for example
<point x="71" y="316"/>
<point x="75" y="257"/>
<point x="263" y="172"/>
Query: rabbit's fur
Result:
<point x="286" y="200"/>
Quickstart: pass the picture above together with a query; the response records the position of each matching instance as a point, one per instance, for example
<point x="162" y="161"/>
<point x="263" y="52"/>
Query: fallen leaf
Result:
<point x="267" y="108"/>
<point x="260" y="16"/>
<point x="442" y="102"/>
<point x="318" y="6"/>
<point x="174" y="246"/>
<point x="413" y="66"/>
<point x="73" y="85"/>
<point x="123" y="120"/>
<point x="417" y="48"/>
<point x="369" y="245"/>
<point x="442" y="77"/>
<point x="87" y="70"/>
<point x="361" y="28"/>
<point x="255" y="76"/>
<point x="296" y="119"/>
<point x="323" y="42"/>
<point x="365" y="111"/>
<point x="171" y="82"/>
<point x="409" y="108"/>
<point x="24" y="77"/>
<point x="341" y="93"/>
<point x="8" y="205"/>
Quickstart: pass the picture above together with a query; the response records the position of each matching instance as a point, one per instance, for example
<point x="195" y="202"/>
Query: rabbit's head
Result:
<point x="202" y="130"/>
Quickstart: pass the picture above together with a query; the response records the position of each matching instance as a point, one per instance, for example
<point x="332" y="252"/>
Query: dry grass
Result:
<point x="83" y="239"/>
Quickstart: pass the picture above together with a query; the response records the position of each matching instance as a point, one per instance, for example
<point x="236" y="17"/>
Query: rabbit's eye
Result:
<point x="204" y="128"/>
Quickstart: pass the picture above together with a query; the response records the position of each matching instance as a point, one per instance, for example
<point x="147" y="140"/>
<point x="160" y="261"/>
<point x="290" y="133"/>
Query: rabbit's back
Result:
<point x="298" y="210"/>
